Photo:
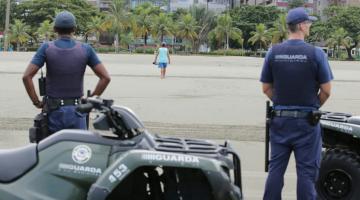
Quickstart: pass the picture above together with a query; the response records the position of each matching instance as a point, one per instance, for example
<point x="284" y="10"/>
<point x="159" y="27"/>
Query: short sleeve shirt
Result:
<point x="39" y="58"/>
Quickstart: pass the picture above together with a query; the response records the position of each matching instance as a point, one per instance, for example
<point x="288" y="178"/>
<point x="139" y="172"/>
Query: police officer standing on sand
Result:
<point x="66" y="61"/>
<point x="296" y="77"/>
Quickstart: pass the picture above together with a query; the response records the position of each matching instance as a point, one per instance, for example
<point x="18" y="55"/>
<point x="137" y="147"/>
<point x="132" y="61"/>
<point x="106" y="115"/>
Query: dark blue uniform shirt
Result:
<point x="296" y="70"/>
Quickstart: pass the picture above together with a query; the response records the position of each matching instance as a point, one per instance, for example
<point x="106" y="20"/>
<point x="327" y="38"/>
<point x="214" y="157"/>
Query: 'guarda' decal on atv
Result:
<point x="118" y="173"/>
<point x="337" y="126"/>
<point x="81" y="154"/>
<point x="170" y="158"/>
<point x="80" y="169"/>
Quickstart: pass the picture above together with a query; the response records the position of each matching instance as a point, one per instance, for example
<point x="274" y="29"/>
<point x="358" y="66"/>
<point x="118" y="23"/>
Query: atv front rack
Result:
<point x="202" y="148"/>
<point x="334" y="116"/>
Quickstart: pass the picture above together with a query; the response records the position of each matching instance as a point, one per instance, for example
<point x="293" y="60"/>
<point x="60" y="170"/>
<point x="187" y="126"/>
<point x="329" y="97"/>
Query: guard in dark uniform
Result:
<point x="296" y="77"/>
<point x="66" y="61"/>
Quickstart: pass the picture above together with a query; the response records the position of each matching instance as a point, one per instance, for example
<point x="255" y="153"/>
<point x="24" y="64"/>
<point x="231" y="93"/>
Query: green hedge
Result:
<point x="147" y="50"/>
<point x="235" y="52"/>
<point x="32" y="48"/>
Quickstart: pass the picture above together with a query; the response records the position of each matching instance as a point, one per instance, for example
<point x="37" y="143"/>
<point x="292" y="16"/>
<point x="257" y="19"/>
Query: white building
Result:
<point x="215" y="5"/>
<point x="172" y="5"/>
<point x="319" y="7"/>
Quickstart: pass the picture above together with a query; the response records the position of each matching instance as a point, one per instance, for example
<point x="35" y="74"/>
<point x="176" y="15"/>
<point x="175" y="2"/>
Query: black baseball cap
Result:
<point x="298" y="15"/>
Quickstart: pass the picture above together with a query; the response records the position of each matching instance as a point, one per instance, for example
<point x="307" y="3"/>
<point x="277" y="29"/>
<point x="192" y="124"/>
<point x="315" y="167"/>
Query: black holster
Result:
<point x="314" y="117"/>
<point x="40" y="129"/>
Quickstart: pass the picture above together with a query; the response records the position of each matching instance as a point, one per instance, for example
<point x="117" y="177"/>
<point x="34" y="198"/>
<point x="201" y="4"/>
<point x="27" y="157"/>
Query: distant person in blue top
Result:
<point x="66" y="61"/>
<point x="163" y="59"/>
<point x="296" y="77"/>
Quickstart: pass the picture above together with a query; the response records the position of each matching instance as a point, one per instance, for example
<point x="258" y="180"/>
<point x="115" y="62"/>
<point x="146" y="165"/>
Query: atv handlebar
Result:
<point x="85" y="108"/>
<point x="112" y="119"/>
<point x="94" y="103"/>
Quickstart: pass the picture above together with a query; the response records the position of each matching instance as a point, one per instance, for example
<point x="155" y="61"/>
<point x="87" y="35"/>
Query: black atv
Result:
<point x="129" y="164"/>
<point x="339" y="175"/>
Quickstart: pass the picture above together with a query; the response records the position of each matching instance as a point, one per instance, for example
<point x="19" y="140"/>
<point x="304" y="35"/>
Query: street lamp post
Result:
<point x="7" y="19"/>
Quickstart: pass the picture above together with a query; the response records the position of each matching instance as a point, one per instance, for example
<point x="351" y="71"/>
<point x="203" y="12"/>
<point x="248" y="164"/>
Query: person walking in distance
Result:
<point x="163" y="59"/>
<point x="66" y="61"/>
<point x="296" y="76"/>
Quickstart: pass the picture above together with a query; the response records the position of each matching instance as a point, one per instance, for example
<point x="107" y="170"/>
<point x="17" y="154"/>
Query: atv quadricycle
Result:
<point x="339" y="176"/>
<point x="131" y="165"/>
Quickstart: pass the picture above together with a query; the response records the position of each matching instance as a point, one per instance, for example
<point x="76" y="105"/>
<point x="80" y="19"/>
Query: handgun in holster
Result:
<point x="40" y="129"/>
<point x="314" y="117"/>
<point x="42" y="84"/>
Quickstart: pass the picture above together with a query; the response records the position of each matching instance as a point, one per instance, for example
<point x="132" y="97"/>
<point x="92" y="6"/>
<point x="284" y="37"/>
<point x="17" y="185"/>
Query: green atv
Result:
<point x="130" y="164"/>
<point x="339" y="176"/>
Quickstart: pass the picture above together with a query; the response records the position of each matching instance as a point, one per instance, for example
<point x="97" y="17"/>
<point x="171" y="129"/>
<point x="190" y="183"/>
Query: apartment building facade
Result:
<point x="172" y="5"/>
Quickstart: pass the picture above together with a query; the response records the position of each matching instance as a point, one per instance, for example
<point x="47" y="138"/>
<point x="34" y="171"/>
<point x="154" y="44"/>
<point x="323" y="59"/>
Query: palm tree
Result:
<point x="261" y="36"/>
<point x="162" y="25"/>
<point x="224" y="30"/>
<point x="127" y="39"/>
<point x="117" y="20"/>
<point x="279" y="31"/>
<point x="206" y="22"/>
<point x="187" y="29"/>
<point x="339" y="38"/>
<point x="45" y="31"/>
<point x="96" y="26"/>
<point x="142" y="20"/>
<point x="19" y="33"/>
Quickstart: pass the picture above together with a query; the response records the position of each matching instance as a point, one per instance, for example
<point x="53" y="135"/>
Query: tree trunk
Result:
<point x="227" y="41"/>
<point x="116" y="43"/>
<point x="145" y="39"/>
<point x="7" y="24"/>
<point x="349" y="50"/>
<point x="260" y="49"/>
<point x="173" y="41"/>
<point x="349" y="54"/>
<point x="97" y="39"/>
<point x="17" y="46"/>
<point x="193" y="46"/>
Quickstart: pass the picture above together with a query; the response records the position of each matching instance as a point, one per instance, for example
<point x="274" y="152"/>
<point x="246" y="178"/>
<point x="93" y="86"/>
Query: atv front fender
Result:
<point x="221" y="185"/>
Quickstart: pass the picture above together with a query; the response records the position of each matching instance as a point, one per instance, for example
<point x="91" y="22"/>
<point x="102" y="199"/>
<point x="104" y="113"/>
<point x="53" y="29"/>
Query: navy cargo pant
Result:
<point x="66" y="117"/>
<point x="297" y="135"/>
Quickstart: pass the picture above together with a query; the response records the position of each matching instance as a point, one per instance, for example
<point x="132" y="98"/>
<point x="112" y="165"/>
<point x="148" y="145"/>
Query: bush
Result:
<point x="33" y="48"/>
<point x="235" y="52"/>
<point x="147" y="50"/>
<point x="105" y="49"/>
<point x="229" y="52"/>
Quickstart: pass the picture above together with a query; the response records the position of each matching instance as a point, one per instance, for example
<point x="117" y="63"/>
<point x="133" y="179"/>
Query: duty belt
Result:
<point x="291" y="113"/>
<point x="63" y="102"/>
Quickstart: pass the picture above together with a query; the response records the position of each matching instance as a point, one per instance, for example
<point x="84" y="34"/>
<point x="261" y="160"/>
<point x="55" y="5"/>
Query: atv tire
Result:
<point x="339" y="175"/>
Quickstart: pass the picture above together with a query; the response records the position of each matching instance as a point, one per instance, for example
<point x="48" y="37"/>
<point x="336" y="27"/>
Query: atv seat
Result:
<point x="15" y="162"/>
<point x="354" y="120"/>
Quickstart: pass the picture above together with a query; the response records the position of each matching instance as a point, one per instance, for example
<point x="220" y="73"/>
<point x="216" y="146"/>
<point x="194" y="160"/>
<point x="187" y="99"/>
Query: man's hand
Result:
<point x="38" y="104"/>
<point x="104" y="77"/>
<point x="324" y="94"/>
<point x="29" y="85"/>
<point x="268" y="90"/>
